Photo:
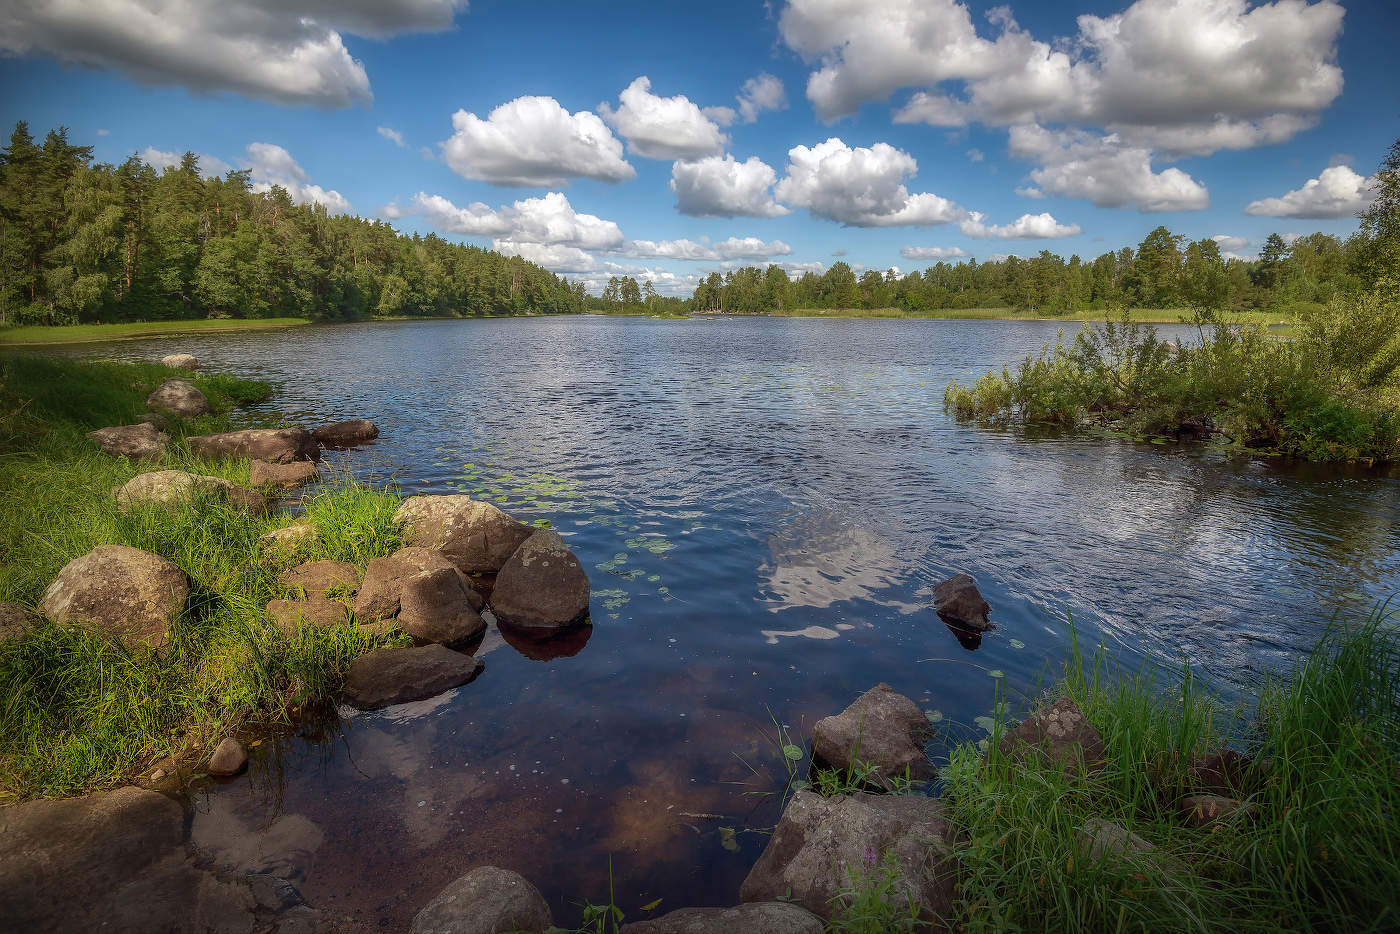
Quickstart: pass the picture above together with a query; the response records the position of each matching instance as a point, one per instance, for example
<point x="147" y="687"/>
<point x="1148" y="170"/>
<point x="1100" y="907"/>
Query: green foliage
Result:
<point x="877" y="900"/>
<point x="1319" y="851"/>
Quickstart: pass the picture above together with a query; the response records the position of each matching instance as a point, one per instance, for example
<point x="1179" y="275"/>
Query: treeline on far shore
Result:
<point x="85" y="242"/>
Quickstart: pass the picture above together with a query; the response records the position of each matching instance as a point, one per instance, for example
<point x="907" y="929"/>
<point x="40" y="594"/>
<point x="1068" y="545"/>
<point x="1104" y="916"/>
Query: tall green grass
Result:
<point x="1320" y="850"/>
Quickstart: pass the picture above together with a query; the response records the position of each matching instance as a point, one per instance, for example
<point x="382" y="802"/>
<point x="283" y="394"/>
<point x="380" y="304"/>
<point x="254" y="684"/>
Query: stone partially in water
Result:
<point x="435" y="606"/>
<point x="542" y="586"/>
<point x="274" y="445"/>
<point x="381" y="592"/>
<point x="959" y="603"/>
<point x="345" y="434"/>
<point x="881" y="729"/>
<point x="284" y="476"/>
<point x="1059" y="734"/>
<point x="546" y="645"/>
<point x="180" y="361"/>
<point x="396" y="676"/>
<point x="486" y="900"/>
<point x="229" y="758"/>
<point x="477" y="536"/>
<point x="765" y="917"/>
<point x="134" y="441"/>
<point x="125" y="592"/>
<point x="179" y="397"/>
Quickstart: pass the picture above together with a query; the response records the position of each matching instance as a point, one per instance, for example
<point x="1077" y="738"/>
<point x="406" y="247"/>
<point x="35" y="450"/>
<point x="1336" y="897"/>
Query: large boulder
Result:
<point x="820" y="841"/>
<point x="180" y="361"/>
<point x="345" y="434"/>
<point x="486" y="900"/>
<point x="756" y="917"/>
<point x="475" y="535"/>
<point x="1059" y="734"/>
<point x="397" y="676"/>
<point x="435" y="606"/>
<point x="179" y="397"/>
<point x="126" y="592"/>
<point x="543" y="586"/>
<point x="173" y="487"/>
<point x="282" y="476"/>
<point x="322" y="577"/>
<point x="134" y="441"/>
<point x="381" y="592"/>
<point x="274" y="445"/>
<point x="960" y="604"/>
<point x="15" y="620"/>
<point x="881" y="729"/>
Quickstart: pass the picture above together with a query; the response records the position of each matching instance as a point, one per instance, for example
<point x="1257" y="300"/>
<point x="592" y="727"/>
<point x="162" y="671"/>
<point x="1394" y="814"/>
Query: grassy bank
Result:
<point x="79" y="710"/>
<point x="91" y="333"/>
<point x="1140" y="315"/>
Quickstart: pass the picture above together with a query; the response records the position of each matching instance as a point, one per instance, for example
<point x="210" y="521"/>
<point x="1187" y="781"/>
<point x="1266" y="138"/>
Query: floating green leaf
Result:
<point x="792" y="752"/>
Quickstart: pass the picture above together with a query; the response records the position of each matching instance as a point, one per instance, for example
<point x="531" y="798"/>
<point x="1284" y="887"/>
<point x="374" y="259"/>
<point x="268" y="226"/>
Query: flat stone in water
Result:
<point x="394" y="676"/>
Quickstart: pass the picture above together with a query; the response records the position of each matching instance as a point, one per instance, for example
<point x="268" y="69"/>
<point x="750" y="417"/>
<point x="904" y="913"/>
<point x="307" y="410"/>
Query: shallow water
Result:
<point x="763" y="506"/>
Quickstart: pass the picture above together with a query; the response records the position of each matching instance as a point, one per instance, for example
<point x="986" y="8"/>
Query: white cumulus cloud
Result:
<point x="1230" y="243"/>
<point x="273" y="165"/>
<point x="735" y="248"/>
<point x="209" y="166"/>
<point x="860" y="186"/>
<point x="761" y="92"/>
<point x="288" y="52"/>
<point x="1338" y="191"/>
<point x="932" y="252"/>
<point x="721" y="186"/>
<point x="1104" y="170"/>
<point x="534" y="142"/>
<point x="663" y="127"/>
<point x="549" y="220"/>
<point x="1026" y="227"/>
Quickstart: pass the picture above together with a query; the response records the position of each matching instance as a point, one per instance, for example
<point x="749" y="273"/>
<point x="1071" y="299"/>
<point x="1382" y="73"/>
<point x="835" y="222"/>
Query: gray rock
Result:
<point x="274" y="445"/>
<point x="959" y="603"/>
<point x="476" y="536"/>
<point x="290" y="538"/>
<point x="128" y="593"/>
<point x="134" y="441"/>
<point x="315" y="610"/>
<point x="435" y="606"/>
<point x="322" y="577"/>
<point x="543" y="586"/>
<point x="282" y="476"/>
<point x="486" y="900"/>
<point x="174" y="487"/>
<point x="819" y="841"/>
<point x="880" y="728"/>
<point x="15" y="620"/>
<point x="380" y="593"/>
<point x="1100" y="838"/>
<point x="229" y="758"/>
<point x="1059" y="734"/>
<point x="179" y="397"/>
<point x="397" y="676"/>
<point x="345" y="434"/>
<point x="756" y="917"/>
<point x="180" y="361"/>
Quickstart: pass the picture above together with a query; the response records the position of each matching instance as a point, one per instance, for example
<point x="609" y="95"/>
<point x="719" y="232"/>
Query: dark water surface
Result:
<point x="763" y="506"/>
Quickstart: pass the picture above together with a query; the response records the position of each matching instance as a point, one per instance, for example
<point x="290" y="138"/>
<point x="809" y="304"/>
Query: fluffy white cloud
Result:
<point x="1338" y="191"/>
<point x="1187" y="76"/>
<point x="392" y="135"/>
<point x="1229" y="243"/>
<point x="273" y="165"/>
<point x="288" y="52"/>
<point x="932" y="252"/>
<point x="1103" y="170"/>
<point x="861" y="186"/>
<point x="533" y="142"/>
<point x="209" y="166"/>
<point x="761" y="92"/>
<point x="550" y="220"/>
<point x="724" y="187"/>
<point x="1025" y="227"/>
<point x="663" y="127"/>
<point x="975" y="155"/>
<point x="744" y="248"/>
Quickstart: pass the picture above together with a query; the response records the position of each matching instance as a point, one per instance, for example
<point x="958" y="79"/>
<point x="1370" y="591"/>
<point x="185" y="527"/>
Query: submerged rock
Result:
<point x="475" y="535"/>
<point x="180" y="361"/>
<point x="322" y="577"/>
<point x="381" y="592"/>
<point x="820" y="841"/>
<point x="397" y="676"/>
<point x="229" y="758"/>
<point x="126" y="592"/>
<point x="486" y="900"/>
<point x="765" y="917"/>
<point x="1059" y="734"/>
<point x="959" y="603"/>
<point x="542" y="586"/>
<point x="179" y="397"/>
<point x="172" y="487"/>
<point x="345" y="434"/>
<point x="134" y="441"/>
<point x="284" y="476"/>
<point x="435" y="606"/>
<point x="274" y="445"/>
<point x="880" y="728"/>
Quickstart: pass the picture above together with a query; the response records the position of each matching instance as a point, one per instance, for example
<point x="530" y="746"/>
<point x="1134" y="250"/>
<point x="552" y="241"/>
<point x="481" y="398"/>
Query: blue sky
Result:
<point x="620" y="138"/>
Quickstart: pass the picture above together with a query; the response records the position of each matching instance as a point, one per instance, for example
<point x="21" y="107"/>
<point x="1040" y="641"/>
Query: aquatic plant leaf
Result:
<point x="792" y="752"/>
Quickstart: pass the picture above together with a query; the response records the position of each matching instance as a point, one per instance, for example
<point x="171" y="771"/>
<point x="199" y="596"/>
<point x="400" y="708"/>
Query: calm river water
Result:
<point x="763" y="506"/>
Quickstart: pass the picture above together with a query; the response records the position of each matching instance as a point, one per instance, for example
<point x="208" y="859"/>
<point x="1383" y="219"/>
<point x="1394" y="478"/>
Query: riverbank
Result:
<point x="31" y="335"/>
<point x="1140" y="315"/>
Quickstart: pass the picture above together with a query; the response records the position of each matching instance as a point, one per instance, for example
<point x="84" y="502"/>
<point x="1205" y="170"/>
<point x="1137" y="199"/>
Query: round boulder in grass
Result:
<point x="179" y="397"/>
<point x="180" y="361"/>
<point x="475" y="535"/>
<point x="274" y="445"/>
<point x="543" y="586"/>
<point x="345" y="434"/>
<point x="129" y="593"/>
<point x="15" y="620"/>
<point x="322" y="577"/>
<point x="397" y="676"/>
<point x="172" y="487"/>
<point x="134" y="441"/>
